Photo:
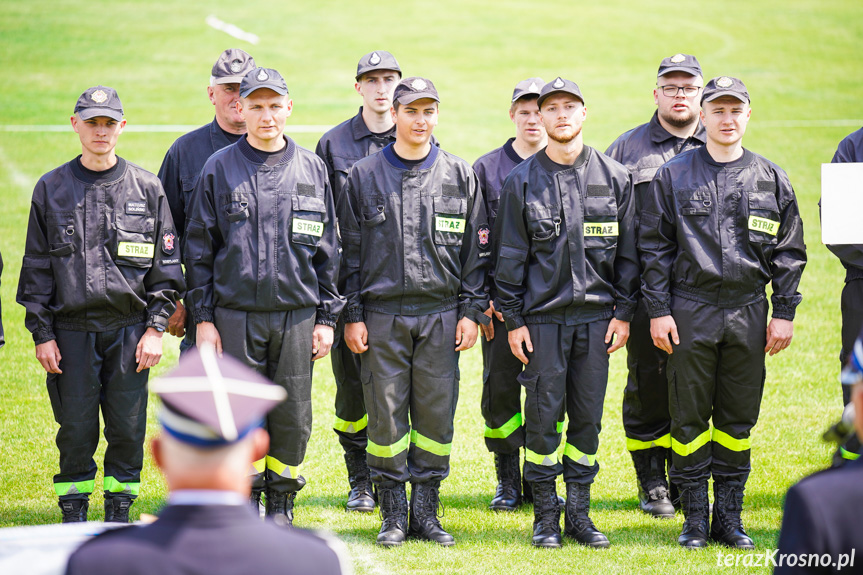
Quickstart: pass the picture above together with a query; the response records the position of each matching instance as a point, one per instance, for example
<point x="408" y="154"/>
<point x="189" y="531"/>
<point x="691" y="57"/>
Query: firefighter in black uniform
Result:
<point x="851" y="255"/>
<point x="101" y="218"/>
<point x="364" y="134"/>
<point x="186" y="156"/>
<point x="262" y="264"/>
<point x="567" y="276"/>
<point x="416" y="243"/>
<point x="501" y="392"/>
<point x="718" y="224"/>
<point x="674" y="128"/>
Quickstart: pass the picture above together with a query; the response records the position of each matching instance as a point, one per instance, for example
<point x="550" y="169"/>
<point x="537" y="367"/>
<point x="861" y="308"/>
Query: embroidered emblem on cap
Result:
<point x="98" y="96"/>
<point x="724" y="82"/>
<point x="263" y="76"/>
<point x="375" y="59"/>
<point x="533" y="87"/>
<point x="677" y="58"/>
<point x="419" y="84"/>
<point x="558" y="83"/>
<point x="168" y="242"/>
<point x="236" y="66"/>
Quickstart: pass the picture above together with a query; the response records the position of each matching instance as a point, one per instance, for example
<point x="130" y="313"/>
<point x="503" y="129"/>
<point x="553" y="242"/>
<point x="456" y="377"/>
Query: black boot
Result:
<point x="362" y="497"/>
<point x="117" y="508"/>
<point x="74" y="510"/>
<point x="507" y="496"/>
<point x="694" y="501"/>
<point x="394" y="514"/>
<point x="653" y="493"/>
<point x="280" y="507"/>
<point x="546" y="515"/>
<point x="727" y="527"/>
<point x="255" y="502"/>
<point x="577" y="519"/>
<point x="424" y="524"/>
<point x="527" y="493"/>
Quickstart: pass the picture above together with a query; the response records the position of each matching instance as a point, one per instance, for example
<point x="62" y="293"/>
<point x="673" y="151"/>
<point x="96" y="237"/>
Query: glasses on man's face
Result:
<point x="672" y="91"/>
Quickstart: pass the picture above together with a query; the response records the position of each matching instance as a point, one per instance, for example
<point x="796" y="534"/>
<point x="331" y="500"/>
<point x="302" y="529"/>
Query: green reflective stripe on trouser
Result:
<point x="258" y="466"/>
<point x="75" y="487"/>
<point x="389" y="450"/>
<point x="560" y="426"/>
<point x="579" y="457"/>
<point x="637" y="445"/>
<point x="504" y="430"/>
<point x="539" y="459"/>
<point x="729" y="442"/>
<point x="289" y="471"/>
<point x="430" y="445"/>
<point x="340" y="424"/>
<point x="684" y="449"/>
<point x="849" y="455"/>
<point x="114" y="486"/>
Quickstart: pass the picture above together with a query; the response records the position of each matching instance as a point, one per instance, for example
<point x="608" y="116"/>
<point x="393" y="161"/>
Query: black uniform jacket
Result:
<point x="565" y="243"/>
<point x="205" y="540"/>
<point x="851" y="255"/>
<point x="99" y="257"/>
<point x="718" y="233"/>
<point x="262" y="238"/>
<point x="415" y="242"/>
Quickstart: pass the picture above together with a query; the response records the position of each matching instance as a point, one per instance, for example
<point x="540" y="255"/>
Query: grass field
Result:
<point x="799" y="59"/>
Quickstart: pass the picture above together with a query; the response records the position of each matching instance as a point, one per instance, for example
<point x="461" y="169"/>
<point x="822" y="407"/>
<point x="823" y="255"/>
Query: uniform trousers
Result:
<point x="351" y="418"/>
<point x="501" y="393"/>
<point x="852" y="324"/>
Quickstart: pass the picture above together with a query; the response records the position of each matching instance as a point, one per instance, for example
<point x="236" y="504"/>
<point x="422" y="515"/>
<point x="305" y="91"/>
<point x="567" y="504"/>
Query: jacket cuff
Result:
<point x="784" y="312"/>
<point x="624" y="311"/>
<point x="157" y="321"/>
<point x="203" y="314"/>
<point x="473" y="315"/>
<point x="513" y="322"/>
<point x="784" y="307"/>
<point x="354" y="315"/>
<point x="43" y="335"/>
<point x="328" y="319"/>
<point x="660" y="307"/>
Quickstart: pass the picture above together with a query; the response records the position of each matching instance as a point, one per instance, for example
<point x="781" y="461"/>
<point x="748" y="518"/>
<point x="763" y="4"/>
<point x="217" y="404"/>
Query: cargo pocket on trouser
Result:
<point x="54" y="396"/>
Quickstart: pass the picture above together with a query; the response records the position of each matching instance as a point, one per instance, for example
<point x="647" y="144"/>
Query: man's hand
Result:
<point x="660" y="328"/>
<point x="516" y="338"/>
<point x="488" y="330"/>
<point x="49" y="356"/>
<point x="207" y="333"/>
<point x="621" y="330"/>
<point x="779" y="334"/>
<point x="149" y="350"/>
<point x="177" y="322"/>
<point x="466" y="333"/>
<point x="357" y="337"/>
<point x="322" y="341"/>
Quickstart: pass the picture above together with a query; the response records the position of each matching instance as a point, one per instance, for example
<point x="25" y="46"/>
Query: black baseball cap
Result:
<point x="231" y="66"/>
<point x="724" y="86"/>
<point x="679" y="63"/>
<point x="559" y="85"/>
<point x="379" y="60"/>
<point x="529" y="87"/>
<point x="99" y="101"/>
<point x="414" y="88"/>
<point x="263" y="78"/>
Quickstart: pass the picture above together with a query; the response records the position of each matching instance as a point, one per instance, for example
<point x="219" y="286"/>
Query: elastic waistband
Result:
<point x="572" y="315"/>
<point x="108" y="323"/>
<point x="719" y="298"/>
<point x="411" y="305"/>
<point x="852" y="274"/>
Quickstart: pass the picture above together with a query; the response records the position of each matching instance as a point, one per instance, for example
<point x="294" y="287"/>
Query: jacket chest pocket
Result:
<point x="543" y="222"/>
<point x="600" y="226"/>
<point x="692" y="203"/>
<point x="236" y="207"/>
<point x="63" y="234"/>
<point x="135" y="244"/>
<point x="763" y="217"/>
<point x="307" y="220"/>
<point x="449" y="220"/>
<point x="373" y="213"/>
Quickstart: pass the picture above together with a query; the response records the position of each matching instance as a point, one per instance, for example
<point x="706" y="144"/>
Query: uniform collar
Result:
<point x="390" y="155"/>
<point x="740" y="162"/>
<point x="511" y="153"/>
<point x="360" y="130"/>
<point x="658" y="134"/>
<point x="218" y="137"/>
<point x="119" y="170"/>
<point x="550" y="165"/>
<point x="250" y="154"/>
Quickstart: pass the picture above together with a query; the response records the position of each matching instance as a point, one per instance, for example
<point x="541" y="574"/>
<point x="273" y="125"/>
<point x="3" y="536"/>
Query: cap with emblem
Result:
<point x="559" y="85"/>
<point x="379" y="60"/>
<point x="724" y="86"/>
<point x="263" y="78"/>
<point x="231" y="66"/>
<point x="529" y="87"/>
<point x="208" y="401"/>
<point x="412" y="89"/>
<point x="679" y="63"/>
<point x="99" y="101"/>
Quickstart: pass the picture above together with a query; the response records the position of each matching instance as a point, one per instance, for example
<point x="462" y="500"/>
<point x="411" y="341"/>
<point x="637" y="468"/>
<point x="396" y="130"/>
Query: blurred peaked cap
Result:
<point x="679" y="63"/>
<point x="231" y="66"/>
<point x="263" y="78"/>
<point x="414" y="88"/>
<point x="853" y="371"/>
<point x="531" y="86"/>
<point x="559" y="85"/>
<point x="724" y="86"/>
<point x="378" y="60"/>
<point x="99" y="101"/>
<point x="210" y="400"/>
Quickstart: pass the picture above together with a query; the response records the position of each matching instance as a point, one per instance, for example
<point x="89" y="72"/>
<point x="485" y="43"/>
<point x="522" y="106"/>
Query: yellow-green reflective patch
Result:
<point x="600" y="229"/>
<point x="430" y="445"/>
<point x="729" y="442"/>
<point x="849" y="455"/>
<point x="259" y="466"/>
<point x="540" y="459"/>
<point x="74" y="487"/>
<point x="637" y="445"/>
<point x="350" y="426"/>
<point x="763" y="225"/>
<point x="579" y="457"/>
<point x="684" y="449"/>
<point x="308" y="227"/>
<point x="389" y="450"/>
<point x="114" y="486"/>
<point x="136" y="250"/>
<point x="289" y="471"/>
<point x="454" y="225"/>
<point x="504" y="430"/>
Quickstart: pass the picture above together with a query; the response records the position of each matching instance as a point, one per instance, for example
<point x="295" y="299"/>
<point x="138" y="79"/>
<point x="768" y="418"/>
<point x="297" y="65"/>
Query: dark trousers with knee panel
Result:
<point x="717" y="372"/>
<point x="277" y="344"/>
<point x="567" y="374"/>
<point x="99" y="371"/>
<point x="501" y="393"/>
<point x="852" y="323"/>
<point x="410" y="383"/>
<point x="350" y="419"/>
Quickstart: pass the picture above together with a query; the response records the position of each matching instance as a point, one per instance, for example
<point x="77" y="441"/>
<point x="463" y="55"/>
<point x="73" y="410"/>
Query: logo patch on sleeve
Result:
<point x="168" y="242"/>
<point x="483" y="236"/>
<point x="136" y="208"/>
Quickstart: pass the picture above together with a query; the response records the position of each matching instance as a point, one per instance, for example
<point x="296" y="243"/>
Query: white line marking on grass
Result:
<point x="231" y="30"/>
<point x="19" y="178"/>
<point x="367" y="560"/>
<point x="809" y="123"/>
<point x="149" y="128"/>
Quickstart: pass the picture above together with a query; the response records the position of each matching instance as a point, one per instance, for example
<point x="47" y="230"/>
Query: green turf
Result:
<point x="799" y="60"/>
